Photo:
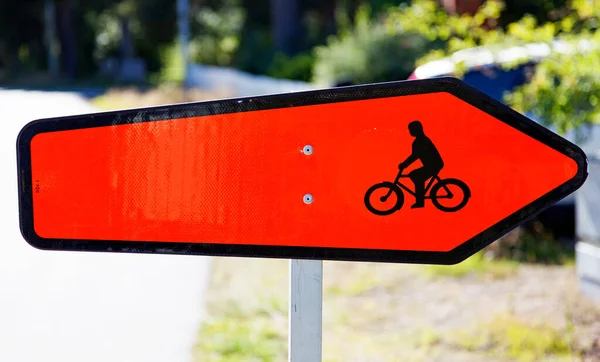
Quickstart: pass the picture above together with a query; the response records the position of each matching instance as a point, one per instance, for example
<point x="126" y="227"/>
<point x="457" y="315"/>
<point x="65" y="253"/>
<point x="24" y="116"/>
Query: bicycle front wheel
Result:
<point x="450" y="195"/>
<point x="384" y="198"/>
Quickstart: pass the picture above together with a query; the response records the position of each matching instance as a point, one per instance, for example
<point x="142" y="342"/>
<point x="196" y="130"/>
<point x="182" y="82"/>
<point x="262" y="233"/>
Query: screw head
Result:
<point x="307" y="150"/>
<point x="308" y="199"/>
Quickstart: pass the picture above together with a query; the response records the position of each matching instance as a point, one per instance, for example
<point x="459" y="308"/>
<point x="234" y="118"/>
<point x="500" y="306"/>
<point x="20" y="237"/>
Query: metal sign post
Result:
<point x="306" y="310"/>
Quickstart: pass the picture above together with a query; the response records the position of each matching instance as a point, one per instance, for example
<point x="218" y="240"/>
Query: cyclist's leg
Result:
<point x="418" y="177"/>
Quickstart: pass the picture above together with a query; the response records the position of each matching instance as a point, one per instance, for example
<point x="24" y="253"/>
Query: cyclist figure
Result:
<point x="425" y="151"/>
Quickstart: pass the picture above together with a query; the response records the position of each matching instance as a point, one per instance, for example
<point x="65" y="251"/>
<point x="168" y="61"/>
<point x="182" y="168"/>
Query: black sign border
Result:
<point x="451" y="85"/>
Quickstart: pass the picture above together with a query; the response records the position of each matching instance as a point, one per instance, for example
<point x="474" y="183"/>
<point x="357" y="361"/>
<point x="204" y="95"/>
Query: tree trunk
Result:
<point x="285" y="22"/>
<point x="50" y="37"/>
<point x="126" y="39"/>
<point x="15" y="66"/>
<point x="66" y="31"/>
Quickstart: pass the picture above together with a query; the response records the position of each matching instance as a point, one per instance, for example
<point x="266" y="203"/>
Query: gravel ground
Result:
<point x="386" y="312"/>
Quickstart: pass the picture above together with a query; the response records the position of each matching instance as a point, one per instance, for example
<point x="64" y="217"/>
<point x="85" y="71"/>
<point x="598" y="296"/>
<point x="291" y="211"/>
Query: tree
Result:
<point x="367" y="52"/>
<point x="127" y="28"/>
<point x="21" y="46"/>
<point x="564" y="90"/>
<point x="542" y="10"/>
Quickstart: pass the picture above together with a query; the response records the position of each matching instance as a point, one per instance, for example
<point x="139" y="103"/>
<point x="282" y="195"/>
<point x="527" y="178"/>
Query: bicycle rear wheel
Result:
<point x="384" y="198"/>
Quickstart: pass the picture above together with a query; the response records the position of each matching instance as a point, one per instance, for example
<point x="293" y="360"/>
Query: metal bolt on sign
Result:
<point x="308" y="199"/>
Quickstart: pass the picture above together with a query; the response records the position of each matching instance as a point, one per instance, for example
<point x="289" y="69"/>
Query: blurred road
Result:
<point x="68" y="307"/>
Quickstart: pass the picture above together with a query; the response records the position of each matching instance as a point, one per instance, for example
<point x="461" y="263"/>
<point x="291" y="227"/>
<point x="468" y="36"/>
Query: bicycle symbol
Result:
<point x="454" y="190"/>
<point x="425" y="151"/>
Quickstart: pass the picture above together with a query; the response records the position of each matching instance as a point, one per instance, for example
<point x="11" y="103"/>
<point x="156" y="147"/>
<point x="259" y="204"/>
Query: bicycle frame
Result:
<point x="427" y="187"/>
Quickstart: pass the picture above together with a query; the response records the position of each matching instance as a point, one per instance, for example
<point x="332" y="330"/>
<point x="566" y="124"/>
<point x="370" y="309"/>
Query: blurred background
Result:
<point x="532" y="296"/>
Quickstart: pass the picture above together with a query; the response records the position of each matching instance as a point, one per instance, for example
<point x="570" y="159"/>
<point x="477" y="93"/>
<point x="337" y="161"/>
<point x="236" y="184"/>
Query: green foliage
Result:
<point x="542" y="10"/>
<point x="21" y="46"/>
<point x="564" y="92"/>
<point x="218" y="35"/>
<point x="380" y="6"/>
<point x="151" y="24"/>
<point x="531" y="244"/>
<point x="368" y="53"/>
<point x="256" y="51"/>
<point x="564" y="89"/>
<point x="298" y="67"/>
<point x="451" y="32"/>
<point x="156" y="28"/>
<point x="241" y="335"/>
<point x="172" y="70"/>
<point x="108" y="34"/>
<point x="517" y="340"/>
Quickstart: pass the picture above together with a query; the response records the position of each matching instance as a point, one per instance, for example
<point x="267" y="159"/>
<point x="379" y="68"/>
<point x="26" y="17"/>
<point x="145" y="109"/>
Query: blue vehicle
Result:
<point x="485" y="71"/>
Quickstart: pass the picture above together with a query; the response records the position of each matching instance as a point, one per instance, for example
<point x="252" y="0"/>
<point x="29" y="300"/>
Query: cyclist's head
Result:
<point x="415" y="128"/>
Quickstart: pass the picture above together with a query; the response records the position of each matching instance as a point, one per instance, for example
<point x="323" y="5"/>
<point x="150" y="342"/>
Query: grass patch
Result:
<point x="478" y="265"/>
<point x="359" y="284"/>
<point x="237" y="334"/>
<point x="509" y="337"/>
<point x="247" y="309"/>
<point x="428" y="338"/>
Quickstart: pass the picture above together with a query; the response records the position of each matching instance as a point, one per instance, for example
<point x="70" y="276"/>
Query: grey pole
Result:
<point x="306" y="310"/>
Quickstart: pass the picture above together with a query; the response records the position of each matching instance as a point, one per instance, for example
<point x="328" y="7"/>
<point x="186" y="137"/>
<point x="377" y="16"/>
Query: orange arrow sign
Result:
<point x="424" y="171"/>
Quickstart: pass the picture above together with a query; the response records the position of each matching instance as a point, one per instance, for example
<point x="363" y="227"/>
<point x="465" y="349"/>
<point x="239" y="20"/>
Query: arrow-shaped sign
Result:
<point x="424" y="171"/>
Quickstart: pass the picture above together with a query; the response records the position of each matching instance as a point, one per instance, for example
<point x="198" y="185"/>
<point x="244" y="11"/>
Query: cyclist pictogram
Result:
<point x="446" y="194"/>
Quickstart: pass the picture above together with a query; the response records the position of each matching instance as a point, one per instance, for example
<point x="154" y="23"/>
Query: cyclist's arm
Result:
<point x="412" y="158"/>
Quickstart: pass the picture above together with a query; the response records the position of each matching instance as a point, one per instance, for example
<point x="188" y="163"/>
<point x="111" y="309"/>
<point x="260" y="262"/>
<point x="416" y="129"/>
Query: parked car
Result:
<point x="485" y="71"/>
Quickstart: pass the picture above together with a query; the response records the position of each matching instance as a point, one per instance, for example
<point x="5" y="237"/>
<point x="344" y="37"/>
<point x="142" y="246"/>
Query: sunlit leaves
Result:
<point x="564" y="90"/>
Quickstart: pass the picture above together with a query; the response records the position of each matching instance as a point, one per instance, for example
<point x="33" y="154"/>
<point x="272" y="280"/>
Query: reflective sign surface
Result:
<point x="423" y="171"/>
